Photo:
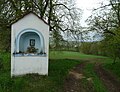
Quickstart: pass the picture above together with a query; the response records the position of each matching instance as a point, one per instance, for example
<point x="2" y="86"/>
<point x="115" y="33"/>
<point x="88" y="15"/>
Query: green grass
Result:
<point x="58" y="70"/>
<point x="71" y="55"/>
<point x="60" y="63"/>
<point x="5" y="62"/>
<point x="97" y="83"/>
<point x="114" y="68"/>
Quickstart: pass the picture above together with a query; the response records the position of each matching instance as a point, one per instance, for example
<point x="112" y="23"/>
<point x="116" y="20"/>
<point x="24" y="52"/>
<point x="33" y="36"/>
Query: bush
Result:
<point x="1" y="64"/>
<point x="6" y="83"/>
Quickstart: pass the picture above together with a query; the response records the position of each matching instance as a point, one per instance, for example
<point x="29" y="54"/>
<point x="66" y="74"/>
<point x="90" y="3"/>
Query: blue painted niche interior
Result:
<point x="27" y="39"/>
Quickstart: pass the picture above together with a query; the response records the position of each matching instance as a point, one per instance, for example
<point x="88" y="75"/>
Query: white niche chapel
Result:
<point x="29" y="46"/>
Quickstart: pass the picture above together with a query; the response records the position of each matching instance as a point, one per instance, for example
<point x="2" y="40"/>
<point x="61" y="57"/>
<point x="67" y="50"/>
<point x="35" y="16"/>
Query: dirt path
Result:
<point x="110" y="81"/>
<point x="76" y="78"/>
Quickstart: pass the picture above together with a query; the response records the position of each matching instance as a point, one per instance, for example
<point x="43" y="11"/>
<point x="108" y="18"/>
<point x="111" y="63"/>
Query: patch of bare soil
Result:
<point x="74" y="80"/>
<point x="108" y="79"/>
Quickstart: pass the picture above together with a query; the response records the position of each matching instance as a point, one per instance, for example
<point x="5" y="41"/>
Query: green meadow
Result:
<point x="60" y="63"/>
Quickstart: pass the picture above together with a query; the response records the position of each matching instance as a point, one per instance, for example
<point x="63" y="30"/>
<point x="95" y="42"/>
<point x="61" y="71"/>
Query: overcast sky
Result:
<point x="87" y="6"/>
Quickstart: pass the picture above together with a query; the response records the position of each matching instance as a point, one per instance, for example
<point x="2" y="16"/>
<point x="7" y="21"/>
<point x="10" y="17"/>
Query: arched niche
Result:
<point x="27" y="38"/>
<point x="30" y="39"/>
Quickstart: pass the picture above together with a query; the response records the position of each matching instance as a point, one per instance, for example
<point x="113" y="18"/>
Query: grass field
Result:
<point x="114" y="68"/>
<point x="59" y="65"/>
<point x="71" y="55"/>
<point x="58" y="70"/>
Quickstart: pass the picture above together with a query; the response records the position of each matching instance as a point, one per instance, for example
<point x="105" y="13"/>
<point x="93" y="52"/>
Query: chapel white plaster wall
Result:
<point x="33" y="22"/>
<point x="33" y="64"/>
<point x="26" y="65"/>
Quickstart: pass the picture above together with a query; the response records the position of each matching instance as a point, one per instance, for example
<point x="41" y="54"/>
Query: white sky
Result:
<point x="87" y="6"/>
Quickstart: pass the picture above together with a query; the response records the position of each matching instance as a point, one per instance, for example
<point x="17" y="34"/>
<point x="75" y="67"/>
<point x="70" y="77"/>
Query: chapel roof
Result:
<point x="27" y="13"/>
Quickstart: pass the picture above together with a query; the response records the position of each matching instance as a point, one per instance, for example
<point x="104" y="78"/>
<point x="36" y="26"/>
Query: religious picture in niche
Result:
<point x="32" y="42"/>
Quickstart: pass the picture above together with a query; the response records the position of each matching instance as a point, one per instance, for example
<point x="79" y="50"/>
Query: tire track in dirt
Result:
<point x="108" y="79"/>
<point x="74" y="80"/>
